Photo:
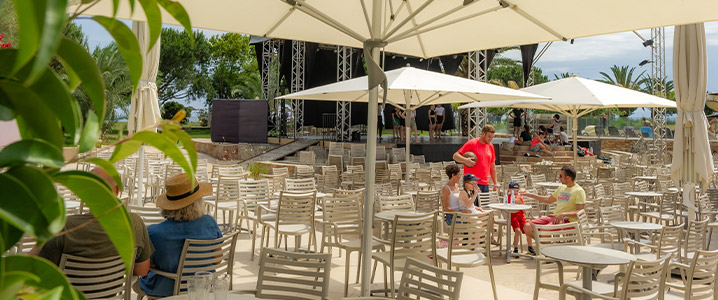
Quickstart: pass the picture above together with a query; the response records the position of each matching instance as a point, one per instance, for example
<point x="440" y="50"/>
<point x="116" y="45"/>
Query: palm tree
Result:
<point x="623" y="76"/>
<point x="249" y="87"/>
<point x="561" y="75"/>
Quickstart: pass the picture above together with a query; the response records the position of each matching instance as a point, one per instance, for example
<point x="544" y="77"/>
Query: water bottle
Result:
<point x="506" y="197"/>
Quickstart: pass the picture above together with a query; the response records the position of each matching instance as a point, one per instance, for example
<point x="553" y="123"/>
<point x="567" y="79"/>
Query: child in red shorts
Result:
<point x="518" y="220"/>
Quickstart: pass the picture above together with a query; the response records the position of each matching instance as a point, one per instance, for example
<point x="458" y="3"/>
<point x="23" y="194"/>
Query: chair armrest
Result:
<point x="163" y="273"/>
<point x="380" y="240"/>
<point x="260" y="208"/>
<point x="640" y="244"/>
<point x="577" y="288"/>
<point x="253" y="292"/>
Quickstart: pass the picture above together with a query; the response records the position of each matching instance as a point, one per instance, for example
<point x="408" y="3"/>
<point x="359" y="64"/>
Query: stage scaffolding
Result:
<point x="477" y="66"/>
<point x="658" y="88"/>
<point x="298" y="63"/>
<point x="270" y="83"/>
<point x="343" y="123"/>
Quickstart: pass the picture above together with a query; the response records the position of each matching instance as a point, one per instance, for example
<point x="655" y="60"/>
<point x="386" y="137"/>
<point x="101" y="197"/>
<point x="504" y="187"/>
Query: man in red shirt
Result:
<point x="484" y="165"/>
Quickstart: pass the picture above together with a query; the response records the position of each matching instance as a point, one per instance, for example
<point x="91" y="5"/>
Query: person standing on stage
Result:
<point x="483" y="162"/>
<point x="516" y="114"/>
<point x="432" y="121"/>
<point x="439" y="121"/>
<point x="379" y="120"/>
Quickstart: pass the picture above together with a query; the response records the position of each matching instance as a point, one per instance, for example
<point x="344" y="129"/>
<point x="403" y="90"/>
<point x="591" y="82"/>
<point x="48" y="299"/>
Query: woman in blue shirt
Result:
<point x="185" y="218"/>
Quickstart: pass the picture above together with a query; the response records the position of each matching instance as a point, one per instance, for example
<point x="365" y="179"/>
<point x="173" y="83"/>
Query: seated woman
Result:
<point x="537" y="144"/>
<point x="185" y="218"/>
<point x="454" y="199"/>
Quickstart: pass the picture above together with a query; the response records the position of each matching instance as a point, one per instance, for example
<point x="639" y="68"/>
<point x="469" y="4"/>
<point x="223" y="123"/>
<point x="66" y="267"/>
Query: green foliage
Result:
<point x="44" y="82"/>
<point x="234" y="61"/>
<point x="623" y="76"/>
<point x="256" y="168"/>
<point x="507" y="73"/>
<point x="184" y="66"/>
<point x="169" y="109"/>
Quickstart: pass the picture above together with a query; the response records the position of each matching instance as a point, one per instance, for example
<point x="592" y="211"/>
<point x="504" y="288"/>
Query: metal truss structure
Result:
<point x="270" y="82"/>
<point x="477" y="67"/>
<point x="344" y="108"/>
<point x="658" y="88"/>
<point x="298" y="63"/>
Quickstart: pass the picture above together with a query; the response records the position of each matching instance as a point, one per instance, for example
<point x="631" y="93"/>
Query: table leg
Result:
<point x="508" y="237"/>
<point x="587" y="281"/>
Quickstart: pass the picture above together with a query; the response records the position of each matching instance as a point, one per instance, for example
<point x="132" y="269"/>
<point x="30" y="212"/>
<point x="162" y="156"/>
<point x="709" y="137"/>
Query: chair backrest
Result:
<point x="202" y="172"/>
<point x="304" y="171"/>
<point x="307" y="157"/>
<point x="520" y="179"/>
<point x="348" y="193"/>
<point x="255" y="192"/>
<point x="423" y="176"/>
<point x="342" y="211"/>
<point x="414" y="236"/>
<point x="357" y="168"/>
<point x="293" y="275"/>
<point x="398" y="155"/>
<point x="401" y="202"/>
<point x="427" y="201"/>
<point x="384" y="189"/>
<point x="669" y="241"/>
<point x="150" y="215"/>
<point x="645" y="279"/>
<point x="612" y="214"/>
<point x="537" y="178"/>
<point x="557" y="235"/>
<point x="204" y="256"/>
<point x="336" y="160"/>
<point x="423" y="281"/>
<point x="418" y="159"/>
<point x="701" y="278"/>
<point x="695" y="238"/>
<point x="484" y="200"/>
<point x="220" y="164"/>
<point x="97" y="277"/>
<point x="227" y="188"/>
<point x="380" y="153"/>
<point x="281" y="171"/>
<point x="471" y="233"/>
<point x="299" y="185"/>
<point x="357" y="150"/>
<point x="641" y="186"/>
<point x="276" y="182"/>
<point x="296" y="208"/>
<point x="408" y="186"/>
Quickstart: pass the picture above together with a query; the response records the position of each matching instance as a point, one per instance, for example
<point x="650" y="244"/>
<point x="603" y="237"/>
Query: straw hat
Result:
<point x="180" y="193"/>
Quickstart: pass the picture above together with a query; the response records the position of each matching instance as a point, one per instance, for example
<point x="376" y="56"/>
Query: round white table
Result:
<point x="507" y="209"/>
<point x="319" y="194"/>
<point x="635" y="229"/>
<point x="588" y="258"/>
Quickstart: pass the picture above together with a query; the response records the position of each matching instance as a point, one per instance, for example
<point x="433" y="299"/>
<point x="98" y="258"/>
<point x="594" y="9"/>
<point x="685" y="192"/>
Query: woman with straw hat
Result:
<point x="185" y="218"/>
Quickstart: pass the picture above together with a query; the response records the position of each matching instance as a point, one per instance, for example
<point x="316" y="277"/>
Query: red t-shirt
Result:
<point x="485" y="157"/>
<point x="534" y="142"/>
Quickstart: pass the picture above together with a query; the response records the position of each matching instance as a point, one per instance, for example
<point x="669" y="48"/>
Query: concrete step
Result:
<point x="553" y="148"/>
<point x="521" y="153"/>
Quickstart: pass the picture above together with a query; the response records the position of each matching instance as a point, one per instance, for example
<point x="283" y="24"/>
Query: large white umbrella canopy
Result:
<point x="576" y="96"/>
<point x="409" y="88"/>
<point x="424" y="28"/>
<point x="426" y="87"/>
<point x="144" y="108"/>
<point x="692" y="160"/>
<point x="429" y="28"/>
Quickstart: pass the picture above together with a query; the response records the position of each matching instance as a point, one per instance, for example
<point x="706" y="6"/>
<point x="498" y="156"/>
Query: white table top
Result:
<point x="509" y="207"/>
<point x="549" y="184"/>
<point x="647" y="177"/>
<point x="644" y="194"/>
<point x="389" y="215"/>
<point x="643" y="226"/>
<point x="584" y="255"/>
<point x="230" y="296"/>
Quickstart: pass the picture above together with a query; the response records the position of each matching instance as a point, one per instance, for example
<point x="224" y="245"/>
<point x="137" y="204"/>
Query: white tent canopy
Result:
<point x="410" y="88"/>
<point x="575" y="97"/>
<point x="427" y="28"/>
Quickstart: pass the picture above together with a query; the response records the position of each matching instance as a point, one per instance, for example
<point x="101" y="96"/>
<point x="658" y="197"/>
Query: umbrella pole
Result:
<point x="407" y="129"/>
<point x="370" y="164"/>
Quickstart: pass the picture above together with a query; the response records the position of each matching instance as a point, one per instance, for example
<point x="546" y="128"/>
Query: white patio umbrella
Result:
<point x="575" y="97"/>
<point x="144" y="108"/>
<point x="409" y="88"/>
<point x="692" y="160"/>
<point x="424" y="28"/>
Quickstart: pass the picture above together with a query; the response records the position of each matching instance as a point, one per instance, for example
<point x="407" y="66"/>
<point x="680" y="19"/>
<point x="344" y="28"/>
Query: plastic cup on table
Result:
<point x="198" y="286"/>
<point x="221" y="287"/>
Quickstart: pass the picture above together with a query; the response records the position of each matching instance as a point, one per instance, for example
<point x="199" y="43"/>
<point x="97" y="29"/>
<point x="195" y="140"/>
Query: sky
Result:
<point x="586" y="57"/>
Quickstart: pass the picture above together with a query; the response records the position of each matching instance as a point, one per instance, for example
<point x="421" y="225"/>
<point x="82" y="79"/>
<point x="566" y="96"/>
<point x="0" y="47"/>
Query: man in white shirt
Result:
<point x="564" y="137"/>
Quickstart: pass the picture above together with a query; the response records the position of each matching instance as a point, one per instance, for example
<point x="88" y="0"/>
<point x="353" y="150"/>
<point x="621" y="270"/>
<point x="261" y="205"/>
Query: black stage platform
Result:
<point x="440" y="150"/>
